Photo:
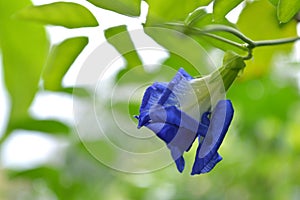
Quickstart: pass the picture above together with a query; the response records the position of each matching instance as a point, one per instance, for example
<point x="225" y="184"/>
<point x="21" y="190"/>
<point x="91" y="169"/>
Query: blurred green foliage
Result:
<point x="261" y="150"/>
<point x="15" y="39"/>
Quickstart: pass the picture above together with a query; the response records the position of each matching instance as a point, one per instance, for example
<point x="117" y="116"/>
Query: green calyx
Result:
<point x="215" y="84"/>
<point x="232" y="65"/>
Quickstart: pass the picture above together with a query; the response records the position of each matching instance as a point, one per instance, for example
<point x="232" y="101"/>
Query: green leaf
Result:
<point x="60" y="60"/>
<point x="184" y="51"/>
<point x="46" y="126"/>
<point x="175" y="61"/>
<point x="36" y="173"/>
<point x="50" y="176"/>
<point x="222" y="7"/>
<point x="274" y="2"/>
<point x="67" y="14"/>
<point x="24" y="47"/>
<point x="263" y="26"/>
<point x="287" y="9"/>
<point x="195" y="16"/>
<point x="170" y="11"/>
<point x="125" y="7"/>
<point x="204" y="2"/>
<point x="120" y="39"/>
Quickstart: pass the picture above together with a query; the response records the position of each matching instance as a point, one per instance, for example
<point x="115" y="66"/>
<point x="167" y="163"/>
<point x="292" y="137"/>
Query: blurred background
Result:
<point x="66" y="107"/>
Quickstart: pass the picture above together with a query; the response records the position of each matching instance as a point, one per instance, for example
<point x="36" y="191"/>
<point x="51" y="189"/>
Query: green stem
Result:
<point x="238" y="45"/>
<point x="249" y="56"/>
<point x="197" y="31"/>
<point x="248" y="46"/>
<point x="275" y="42"/>
<point x="216" y="28"/>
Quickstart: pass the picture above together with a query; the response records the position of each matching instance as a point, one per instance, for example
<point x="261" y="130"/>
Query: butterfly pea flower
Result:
<point x="188" y="108"/>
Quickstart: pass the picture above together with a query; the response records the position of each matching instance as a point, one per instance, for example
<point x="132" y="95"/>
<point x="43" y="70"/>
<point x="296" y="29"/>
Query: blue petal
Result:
<point x="205" y="119"/>
<point x="209" y="166"/>
<point x="165" y="132"/>
<point x="180" y="164"/>
<point x="162" y="93"/>
<point x="185" y="74"/>
<point x="176" y="129"/>
<point x="181" y="76"/>
<point x="177" y="140"/>
<point x="172" y="115"/>
<point x="152" y="95"/>
<point x="207" y="156"/>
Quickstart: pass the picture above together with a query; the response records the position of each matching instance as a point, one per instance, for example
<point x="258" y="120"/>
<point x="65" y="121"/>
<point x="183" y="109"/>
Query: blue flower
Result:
<point x="184" y="109"/>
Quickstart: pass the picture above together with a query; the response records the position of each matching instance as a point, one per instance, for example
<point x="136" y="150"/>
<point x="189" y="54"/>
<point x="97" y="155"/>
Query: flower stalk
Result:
<point x="248" y="44"/>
